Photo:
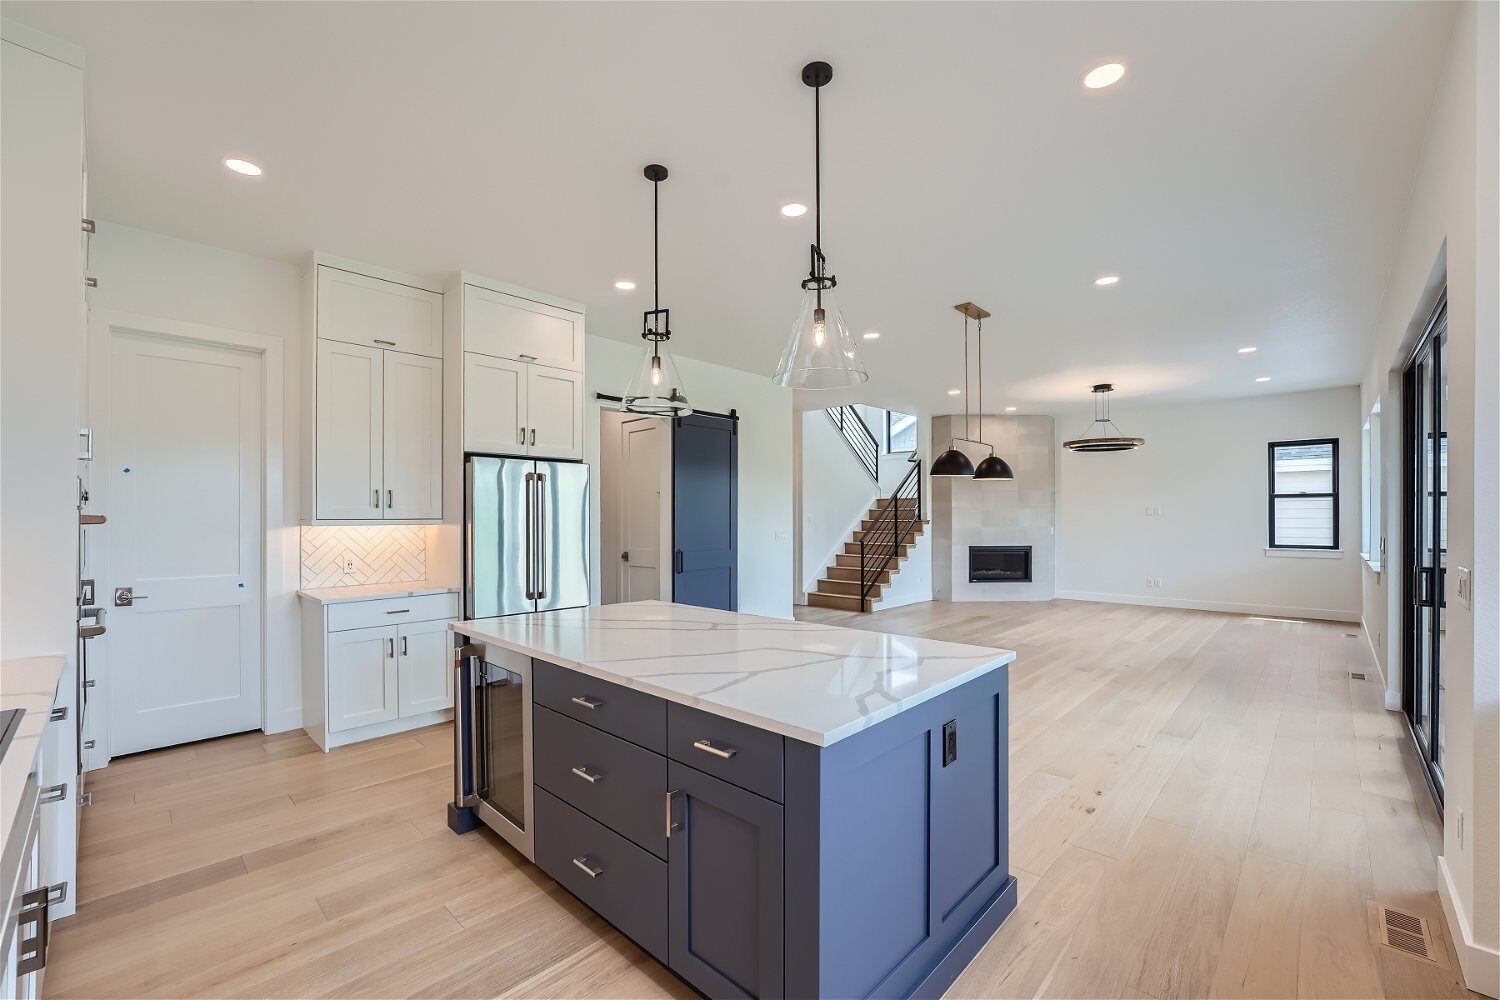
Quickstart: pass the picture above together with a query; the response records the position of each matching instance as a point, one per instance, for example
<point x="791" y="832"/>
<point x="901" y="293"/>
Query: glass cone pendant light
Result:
<point x="1104" y="441"/>
<point x="820" y="353"/>
<point x="994" y="468"/>
<point x="656" y="388"/>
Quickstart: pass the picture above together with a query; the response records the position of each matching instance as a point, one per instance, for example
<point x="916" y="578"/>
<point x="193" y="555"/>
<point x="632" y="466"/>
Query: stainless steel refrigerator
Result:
<point x="526" y="536"/>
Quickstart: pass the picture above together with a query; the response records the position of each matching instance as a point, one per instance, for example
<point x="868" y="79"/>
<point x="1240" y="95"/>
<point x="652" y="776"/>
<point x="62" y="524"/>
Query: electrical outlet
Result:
<point x="348" y="564"/>
<point x="1153" y="582"/>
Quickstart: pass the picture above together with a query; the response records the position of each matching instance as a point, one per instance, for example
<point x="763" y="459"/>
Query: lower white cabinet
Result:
<point x="375" y="667"/>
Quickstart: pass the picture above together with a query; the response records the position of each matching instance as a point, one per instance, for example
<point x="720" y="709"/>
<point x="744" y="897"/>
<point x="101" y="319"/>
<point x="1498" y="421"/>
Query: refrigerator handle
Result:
<point x="541" y="535"/>
<point x="530" y="536"/>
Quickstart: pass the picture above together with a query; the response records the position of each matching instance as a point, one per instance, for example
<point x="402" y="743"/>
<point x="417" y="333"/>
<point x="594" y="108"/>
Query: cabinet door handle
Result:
<point x="587" y="702"/>
<point x="670" y="825"/>
<point x="588" y="867"/>
<point x="522" y="438"/>
<point x="391" y="643"/>
<point x="533" y="436"/>
<point x="376" y="501"/>
<point x="403" y="645"/>
<point x="592" y="777"/>
<point x="53" y="793"/>
<point x="390" y="503"/>
<point x="708" y="747"/>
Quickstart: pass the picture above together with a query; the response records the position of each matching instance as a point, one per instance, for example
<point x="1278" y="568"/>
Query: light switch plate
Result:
<point x="1463" y="587"/>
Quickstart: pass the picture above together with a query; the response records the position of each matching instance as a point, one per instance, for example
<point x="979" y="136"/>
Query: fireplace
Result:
<point x="999" y="563"/>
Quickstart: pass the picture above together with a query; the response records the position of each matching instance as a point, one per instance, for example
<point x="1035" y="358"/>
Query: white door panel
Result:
<point x="646" y="482"/>
<point x="413" y="418"/>
<point x="554" y="409"/>
<point x="350" y="403"/>
<point x="425" y="656"/>
<point x="358" y="309"/>
<point x="494" y="405"/>
<point x="361" y="677"/>
<point x="186" y="536"/>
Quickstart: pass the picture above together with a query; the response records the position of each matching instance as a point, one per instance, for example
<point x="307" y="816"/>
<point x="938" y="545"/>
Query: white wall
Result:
<point x="154" y="275"/>
<point x="766" y="577"/>
<point x="836" y="494"/>
<point x="1450" y="234"/>
<point x="1204" y="465"/>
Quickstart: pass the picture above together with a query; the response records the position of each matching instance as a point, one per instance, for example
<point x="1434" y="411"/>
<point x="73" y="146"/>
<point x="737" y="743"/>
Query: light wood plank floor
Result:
<point x="1201" y="805"/>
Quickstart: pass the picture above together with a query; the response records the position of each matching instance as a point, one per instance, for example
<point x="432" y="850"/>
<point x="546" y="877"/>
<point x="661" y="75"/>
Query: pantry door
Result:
<point x="185" y="447"/>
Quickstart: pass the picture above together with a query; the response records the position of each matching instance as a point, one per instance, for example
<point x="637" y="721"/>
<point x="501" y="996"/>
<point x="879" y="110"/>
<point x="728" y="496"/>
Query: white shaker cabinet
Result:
<point x="504" y="325"/>
<point x="494" y="405"/>
<point x="376" y="397"/>
<point x="375" y="666"/>
<point x="554" y="409"/>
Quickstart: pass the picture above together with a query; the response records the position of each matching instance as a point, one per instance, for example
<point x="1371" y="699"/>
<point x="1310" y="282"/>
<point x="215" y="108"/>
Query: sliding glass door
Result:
<point x="1425" y="404"/>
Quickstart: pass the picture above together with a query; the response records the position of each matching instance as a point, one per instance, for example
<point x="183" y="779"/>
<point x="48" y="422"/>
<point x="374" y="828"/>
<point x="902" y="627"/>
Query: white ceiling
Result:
<point x="1247" y="178"/>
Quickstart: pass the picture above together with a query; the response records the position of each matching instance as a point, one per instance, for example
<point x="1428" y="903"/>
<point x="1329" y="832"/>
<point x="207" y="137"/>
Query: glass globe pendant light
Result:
<point x="820" y="353"/>
<point x="656" y="389"/>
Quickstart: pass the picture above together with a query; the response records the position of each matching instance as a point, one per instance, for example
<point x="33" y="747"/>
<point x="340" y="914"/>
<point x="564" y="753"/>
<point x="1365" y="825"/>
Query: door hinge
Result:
<point x="87" y="745"/>
<point x="85" y="798"/>
<point x="58" y="714"/>
<point x="88" y="225"/>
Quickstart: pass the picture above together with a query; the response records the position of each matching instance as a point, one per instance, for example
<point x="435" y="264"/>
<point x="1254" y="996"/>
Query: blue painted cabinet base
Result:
<point x="461" y="819"/>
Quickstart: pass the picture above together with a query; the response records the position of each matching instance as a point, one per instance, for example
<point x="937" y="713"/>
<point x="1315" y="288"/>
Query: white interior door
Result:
<point x="645" y="530"/>
<point x="350" y="403"/>
<point x="413" y="437"/>
<point x="186" y="465"/>
<point x="554" y="407"/>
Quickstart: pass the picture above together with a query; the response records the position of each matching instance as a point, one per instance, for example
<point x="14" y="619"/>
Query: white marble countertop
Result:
<point x="372" y="591"/>
<point x="29" y="684"/>
<point x="815" y="683"/>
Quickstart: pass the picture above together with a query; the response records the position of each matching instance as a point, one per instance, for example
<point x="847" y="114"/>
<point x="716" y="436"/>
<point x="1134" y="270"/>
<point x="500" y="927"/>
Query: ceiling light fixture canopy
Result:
<point x="656" y="389"/>
<point x="1105" y="441"/>
<point x="820" y="353"/>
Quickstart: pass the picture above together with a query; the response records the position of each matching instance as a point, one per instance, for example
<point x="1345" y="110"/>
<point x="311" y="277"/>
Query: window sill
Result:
<point x="1305" y="553"/>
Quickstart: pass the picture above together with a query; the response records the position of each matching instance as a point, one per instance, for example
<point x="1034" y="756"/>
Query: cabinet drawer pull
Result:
<point x="588" y="703"/>
<point x="58" y="714"/>
<point x="707" y="747"/>
<point x="588" y="867"/>
<point x="53" y="793"/>
<point x="590" y="776"/>
<point x="387" y="343"/>
<point x="402" y="611"/>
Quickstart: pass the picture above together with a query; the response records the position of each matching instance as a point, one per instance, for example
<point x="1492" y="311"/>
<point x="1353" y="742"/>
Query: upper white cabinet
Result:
<point x="509" y="326"/>
<point x="522" y="364"/>
<point x="376" y="395"/>
<point x="375" y="312"/>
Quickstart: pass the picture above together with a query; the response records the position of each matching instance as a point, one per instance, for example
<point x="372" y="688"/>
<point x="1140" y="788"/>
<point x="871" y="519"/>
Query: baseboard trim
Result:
<point x="1320" y="614"/>
<point x="1480" y="965"/>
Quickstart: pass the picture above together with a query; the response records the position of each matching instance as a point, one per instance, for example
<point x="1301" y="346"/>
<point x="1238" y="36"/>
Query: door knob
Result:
<point x="126" y="596"/>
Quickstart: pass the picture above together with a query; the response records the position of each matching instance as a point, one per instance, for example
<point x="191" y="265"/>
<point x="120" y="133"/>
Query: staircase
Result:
<point x="875" y="551"/>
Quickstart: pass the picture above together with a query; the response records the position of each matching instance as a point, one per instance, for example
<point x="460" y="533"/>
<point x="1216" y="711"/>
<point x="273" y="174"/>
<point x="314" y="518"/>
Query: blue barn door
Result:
<point x="705" y="481"/>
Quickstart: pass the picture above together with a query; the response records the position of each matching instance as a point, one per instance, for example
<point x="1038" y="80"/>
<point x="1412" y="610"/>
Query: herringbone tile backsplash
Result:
<point x="380" y="553"/>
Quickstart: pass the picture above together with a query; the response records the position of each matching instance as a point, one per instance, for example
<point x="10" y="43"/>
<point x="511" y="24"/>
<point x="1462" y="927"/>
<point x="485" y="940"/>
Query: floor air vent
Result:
<point x="1406" y="933"/>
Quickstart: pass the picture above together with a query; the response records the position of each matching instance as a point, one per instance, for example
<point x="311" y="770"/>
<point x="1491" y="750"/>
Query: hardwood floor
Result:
<point x="1201" y="805"/>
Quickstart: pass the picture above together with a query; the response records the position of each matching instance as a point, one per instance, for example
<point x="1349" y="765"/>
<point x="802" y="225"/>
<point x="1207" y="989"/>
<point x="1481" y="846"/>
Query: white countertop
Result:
<point x="815" y="683"/>
<point x="373" y="591"/>
<point x="29" y="684"/>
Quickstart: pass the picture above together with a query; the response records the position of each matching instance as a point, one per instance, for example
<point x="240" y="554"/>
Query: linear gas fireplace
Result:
<point x="999" y="563"/>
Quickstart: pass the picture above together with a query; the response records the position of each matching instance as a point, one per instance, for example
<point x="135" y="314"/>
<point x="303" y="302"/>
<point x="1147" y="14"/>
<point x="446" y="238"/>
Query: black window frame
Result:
<point x="1272" y="496"/>
<point x="888" y="449"/>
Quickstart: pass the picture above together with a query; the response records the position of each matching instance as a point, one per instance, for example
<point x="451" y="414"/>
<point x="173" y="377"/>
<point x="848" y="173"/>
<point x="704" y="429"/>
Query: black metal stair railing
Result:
<point x="857" y="434"/>
<point x="880" y="544"/>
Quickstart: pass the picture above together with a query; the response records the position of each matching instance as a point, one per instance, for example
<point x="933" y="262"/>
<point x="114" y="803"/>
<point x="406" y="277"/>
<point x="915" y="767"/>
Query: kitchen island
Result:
<point x="768" y="807"/>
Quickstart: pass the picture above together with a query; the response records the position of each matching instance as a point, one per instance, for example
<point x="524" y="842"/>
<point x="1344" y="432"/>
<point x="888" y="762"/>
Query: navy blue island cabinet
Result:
<point x="750" y="863"/>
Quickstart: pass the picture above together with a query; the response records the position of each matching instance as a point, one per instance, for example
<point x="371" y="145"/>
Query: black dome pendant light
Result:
<point x="954" y="464"/>
<point x="820" y="354"/>
<point x="656" y="389"/>
<point x="1107" y="441"/>
<point x="993" y="469"/>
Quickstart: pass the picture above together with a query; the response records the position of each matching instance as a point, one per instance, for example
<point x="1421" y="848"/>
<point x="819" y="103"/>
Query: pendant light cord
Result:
<point x="966" y="376"/>
<point x="818" y="167"/>
<point x="656" y="245"/>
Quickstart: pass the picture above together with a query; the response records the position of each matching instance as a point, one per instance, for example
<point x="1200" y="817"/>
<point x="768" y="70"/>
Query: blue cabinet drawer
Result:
<point x="740" y="754"/>
<point x="632" y="715"/>
<point x="622" y="883"/>
<point x="617" y="783"/>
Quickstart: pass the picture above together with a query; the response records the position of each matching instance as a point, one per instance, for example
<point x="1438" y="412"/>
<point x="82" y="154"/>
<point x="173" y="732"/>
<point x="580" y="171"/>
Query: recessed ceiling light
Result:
<point x="242" y="166"/>
<point x="871" y="335"/>
<point x="625" y="286"/>
<point x="1264" y="378"/>
<point x="1010" y="409"/>
<point x="1105" y="280"/>
<point x="953" y="392"/>
<point x="1247" y="350"/>
<point x="793" y="209"/>
<point x="1103" y="76"/>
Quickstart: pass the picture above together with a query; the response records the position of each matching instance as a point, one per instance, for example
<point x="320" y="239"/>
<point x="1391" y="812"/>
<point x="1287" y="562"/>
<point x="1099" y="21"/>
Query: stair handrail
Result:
<point x="858" y="436"/>
<point x="879" y="544"/>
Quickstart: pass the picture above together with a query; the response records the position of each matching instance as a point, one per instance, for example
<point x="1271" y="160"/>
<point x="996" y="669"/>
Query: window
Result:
<point x="900" y="431"/>
<point x="1304" y="495"/>
<point x="1372" y="542"/>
